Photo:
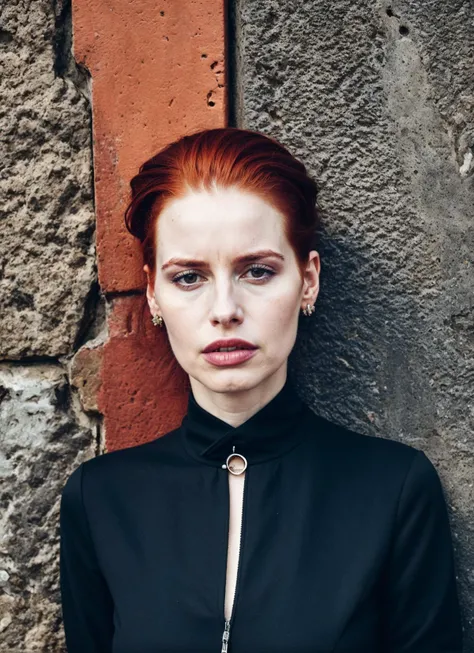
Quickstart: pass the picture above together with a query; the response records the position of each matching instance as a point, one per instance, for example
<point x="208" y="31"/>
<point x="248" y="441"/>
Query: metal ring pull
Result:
<point x="236" y="463"/>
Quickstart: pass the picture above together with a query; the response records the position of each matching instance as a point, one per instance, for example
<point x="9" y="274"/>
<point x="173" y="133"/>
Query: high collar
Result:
<point x="269" y="433"/>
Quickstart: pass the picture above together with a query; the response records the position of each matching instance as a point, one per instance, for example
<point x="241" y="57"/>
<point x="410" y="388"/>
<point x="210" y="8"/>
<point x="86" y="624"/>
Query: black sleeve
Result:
<point x="87" y="605"/>
<point x="420" y="601"/>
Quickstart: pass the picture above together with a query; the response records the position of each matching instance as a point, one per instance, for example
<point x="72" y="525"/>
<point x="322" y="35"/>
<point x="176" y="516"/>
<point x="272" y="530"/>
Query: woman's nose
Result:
<point x="225" y="306"/>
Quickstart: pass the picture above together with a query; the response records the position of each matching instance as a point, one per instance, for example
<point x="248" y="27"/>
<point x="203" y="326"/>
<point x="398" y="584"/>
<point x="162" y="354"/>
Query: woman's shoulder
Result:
<point x="378" y="453"/>
<point x="376" y="470"/>
<point x="127" y="462"/>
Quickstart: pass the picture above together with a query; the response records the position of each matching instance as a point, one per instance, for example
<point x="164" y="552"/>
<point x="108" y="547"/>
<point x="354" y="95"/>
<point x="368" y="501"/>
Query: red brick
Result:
<point x="157" y="73"/>
<point x="143" y="390"/>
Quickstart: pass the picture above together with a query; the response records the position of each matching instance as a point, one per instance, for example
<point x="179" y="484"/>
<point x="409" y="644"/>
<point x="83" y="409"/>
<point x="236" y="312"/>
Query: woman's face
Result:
<point x="204" y="292"/>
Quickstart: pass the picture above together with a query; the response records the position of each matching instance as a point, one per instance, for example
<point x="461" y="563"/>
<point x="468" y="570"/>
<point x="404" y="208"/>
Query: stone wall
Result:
<point x="50" y="304"/>
<point x="377" y="98"/>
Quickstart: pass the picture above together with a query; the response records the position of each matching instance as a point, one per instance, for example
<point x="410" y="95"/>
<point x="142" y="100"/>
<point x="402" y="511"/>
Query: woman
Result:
<point x="256" y="526"/>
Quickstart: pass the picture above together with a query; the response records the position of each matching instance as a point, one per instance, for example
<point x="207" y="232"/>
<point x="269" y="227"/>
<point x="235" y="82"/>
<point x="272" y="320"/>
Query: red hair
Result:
<point x="226" y="157"/>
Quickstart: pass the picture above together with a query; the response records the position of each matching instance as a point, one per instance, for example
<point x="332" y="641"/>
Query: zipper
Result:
<point x="225" y="637"/>
<point x="228" y="622"/>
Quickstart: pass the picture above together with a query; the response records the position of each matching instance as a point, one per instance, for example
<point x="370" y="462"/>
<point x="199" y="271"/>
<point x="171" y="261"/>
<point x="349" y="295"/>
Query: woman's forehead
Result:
<point x="227" y="204"/>
<point x="222" y="224"/>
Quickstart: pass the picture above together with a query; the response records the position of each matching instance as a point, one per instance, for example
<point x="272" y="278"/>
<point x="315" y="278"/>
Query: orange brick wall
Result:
<point x="158" y="72"/>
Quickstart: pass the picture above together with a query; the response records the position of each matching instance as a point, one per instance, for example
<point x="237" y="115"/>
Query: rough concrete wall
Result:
<point x="49" y="305"/>
<point x="377" y="99"/>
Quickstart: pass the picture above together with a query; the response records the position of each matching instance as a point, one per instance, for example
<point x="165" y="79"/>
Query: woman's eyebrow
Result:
<point x="253" y="256"/>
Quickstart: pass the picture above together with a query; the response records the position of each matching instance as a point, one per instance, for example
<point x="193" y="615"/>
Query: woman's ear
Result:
<point x="311" y="278"/>
<point x="150" y="292"/>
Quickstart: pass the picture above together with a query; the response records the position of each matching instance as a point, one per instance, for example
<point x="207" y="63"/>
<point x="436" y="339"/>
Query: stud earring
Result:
<point x="309" y="309"/>
<point x="157" y="320"/>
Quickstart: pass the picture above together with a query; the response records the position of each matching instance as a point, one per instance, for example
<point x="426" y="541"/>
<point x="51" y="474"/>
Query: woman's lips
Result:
<point x="226" y="358"/>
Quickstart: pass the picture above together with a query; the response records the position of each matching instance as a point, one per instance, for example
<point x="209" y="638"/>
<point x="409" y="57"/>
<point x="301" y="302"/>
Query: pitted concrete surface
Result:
<point x="43" y="437"/>
<point x="47" y="244"/>
<point x="377" y="100"/>
<point x="47" y="304"/>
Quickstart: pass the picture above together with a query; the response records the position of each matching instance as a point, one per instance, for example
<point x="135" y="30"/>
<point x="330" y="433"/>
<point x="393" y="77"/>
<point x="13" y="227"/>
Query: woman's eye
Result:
<point x="261" y="268"/>
<point x="190" y="277"/>
<point x="186" y="275"/>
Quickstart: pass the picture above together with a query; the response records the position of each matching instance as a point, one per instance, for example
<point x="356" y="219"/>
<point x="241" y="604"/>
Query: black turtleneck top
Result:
<point x="345" y="544"/>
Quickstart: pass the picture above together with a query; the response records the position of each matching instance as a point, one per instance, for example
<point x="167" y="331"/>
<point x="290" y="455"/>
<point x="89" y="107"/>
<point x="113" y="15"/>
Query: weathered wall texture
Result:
<point x="377" y="98"/>
<point x="71" y="346"/>
<point x="46" y="184"/>
<point x="48" y="305"/>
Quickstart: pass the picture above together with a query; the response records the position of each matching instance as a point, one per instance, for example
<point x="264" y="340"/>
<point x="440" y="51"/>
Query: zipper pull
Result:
<point x="225" y="637"/>
<point x="236" y="463"/>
